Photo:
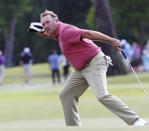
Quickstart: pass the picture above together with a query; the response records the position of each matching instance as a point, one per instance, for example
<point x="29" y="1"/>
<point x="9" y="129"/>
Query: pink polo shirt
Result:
<point x="77" y="51"/>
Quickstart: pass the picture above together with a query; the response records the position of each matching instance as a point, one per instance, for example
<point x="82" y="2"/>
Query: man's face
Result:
<point x="49" y="24"/>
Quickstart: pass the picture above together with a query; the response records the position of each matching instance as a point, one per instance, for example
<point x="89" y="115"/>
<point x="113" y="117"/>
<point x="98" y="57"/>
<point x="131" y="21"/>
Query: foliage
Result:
<point x="29" y="11"/>
<point x="90" y="19"/>
<point x="130" y="18"/>
<point x="7" y="9"/>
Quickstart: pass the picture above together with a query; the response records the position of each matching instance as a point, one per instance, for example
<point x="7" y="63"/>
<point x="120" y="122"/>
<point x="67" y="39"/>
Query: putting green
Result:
<point x="36" y="107"/>
<point x="88" y="124"/>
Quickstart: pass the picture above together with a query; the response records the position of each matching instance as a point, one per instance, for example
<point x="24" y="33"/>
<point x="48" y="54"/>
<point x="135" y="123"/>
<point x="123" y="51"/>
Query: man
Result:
<point x="65" y="65"/>
<point x="54" y="65"/>
<point x="90" y="66"/>
<point x="26" y="63"/>
<point x="2" y="67"/>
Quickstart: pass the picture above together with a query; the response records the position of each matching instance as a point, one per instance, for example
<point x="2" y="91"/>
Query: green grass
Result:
<point x="44" y="103"/>
<point x="41" y="73"/>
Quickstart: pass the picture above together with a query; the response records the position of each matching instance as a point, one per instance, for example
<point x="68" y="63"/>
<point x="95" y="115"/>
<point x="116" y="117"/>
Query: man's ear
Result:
<point x="57" y="20"/>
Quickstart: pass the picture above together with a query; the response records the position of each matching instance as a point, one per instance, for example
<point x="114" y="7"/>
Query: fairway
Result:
<point x="37" y="107"/>
<point x="88" y="124"/>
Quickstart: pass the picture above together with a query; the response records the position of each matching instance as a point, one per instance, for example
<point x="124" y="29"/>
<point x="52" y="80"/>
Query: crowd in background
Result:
<point x="26" y="63"/>
<point x="54" y="60"/>
<point x="2" y="67"/>
<point x="138" y="56"/>
<point x="26" y="60"/>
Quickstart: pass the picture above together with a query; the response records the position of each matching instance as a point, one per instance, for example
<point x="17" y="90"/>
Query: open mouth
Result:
<point x="48" y="30"/>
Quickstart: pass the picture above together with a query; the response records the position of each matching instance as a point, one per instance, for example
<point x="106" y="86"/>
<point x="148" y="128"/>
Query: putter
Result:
<point x="141" y="86"/>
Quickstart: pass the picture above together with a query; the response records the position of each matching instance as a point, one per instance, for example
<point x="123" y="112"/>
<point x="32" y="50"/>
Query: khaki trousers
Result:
<point x="93" y="75"/>
<point x="2" y="68"/>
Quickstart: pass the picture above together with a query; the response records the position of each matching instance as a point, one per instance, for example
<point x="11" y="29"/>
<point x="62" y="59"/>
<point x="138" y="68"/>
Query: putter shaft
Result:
<point x="141" y="86"/>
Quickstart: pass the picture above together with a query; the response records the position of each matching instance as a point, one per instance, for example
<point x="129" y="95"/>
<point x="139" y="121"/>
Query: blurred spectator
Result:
<point x="2" y="67"/>
<point x="145" y="57"/>
<point x="137" y="50"/>
<point x="65" y="65"/>
<point x="26" y="63"/>
<point x="54" y="66"/>
<point x="128" y="49"/>
<point x="136" y="59"/>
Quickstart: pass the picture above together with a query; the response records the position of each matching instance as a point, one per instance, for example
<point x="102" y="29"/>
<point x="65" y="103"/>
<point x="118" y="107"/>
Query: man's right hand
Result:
<point x="44" y="34"/>
<point x="116" y="44"/>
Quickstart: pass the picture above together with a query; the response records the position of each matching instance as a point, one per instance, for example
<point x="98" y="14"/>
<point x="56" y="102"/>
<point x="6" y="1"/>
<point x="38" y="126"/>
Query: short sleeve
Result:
<point x="71" y="34"/>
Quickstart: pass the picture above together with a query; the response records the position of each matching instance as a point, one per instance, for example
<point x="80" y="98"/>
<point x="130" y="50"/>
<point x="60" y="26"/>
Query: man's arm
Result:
<point x="94" y="35"/>
<point x="44" y="34"/>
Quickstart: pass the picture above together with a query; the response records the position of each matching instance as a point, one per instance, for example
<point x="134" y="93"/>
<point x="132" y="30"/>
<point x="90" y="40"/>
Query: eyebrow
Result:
<point x="44" y="22"/>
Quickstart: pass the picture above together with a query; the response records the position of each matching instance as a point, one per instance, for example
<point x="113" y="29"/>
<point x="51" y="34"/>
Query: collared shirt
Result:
<point x="26" y="58"/>
<point x="76" y="51"/>
<point x="2" y="60"/>
<point x="53" y="60"/>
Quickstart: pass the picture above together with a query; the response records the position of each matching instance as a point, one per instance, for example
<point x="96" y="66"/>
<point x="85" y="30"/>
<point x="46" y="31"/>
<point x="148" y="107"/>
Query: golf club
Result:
<point x="146" y="94"/>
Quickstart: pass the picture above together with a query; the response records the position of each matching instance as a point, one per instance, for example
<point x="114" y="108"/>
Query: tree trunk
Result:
<point x="105" y="25"/>
<point x="141" y="35"/>
<point x="10" y="41"/>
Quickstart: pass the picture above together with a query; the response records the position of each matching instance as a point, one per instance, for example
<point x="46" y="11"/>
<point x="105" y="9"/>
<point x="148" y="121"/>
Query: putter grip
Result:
<point x="124" y="54"/>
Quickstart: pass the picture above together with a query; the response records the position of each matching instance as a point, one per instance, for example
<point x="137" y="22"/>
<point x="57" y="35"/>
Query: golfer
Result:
<point x="90" y="66"/>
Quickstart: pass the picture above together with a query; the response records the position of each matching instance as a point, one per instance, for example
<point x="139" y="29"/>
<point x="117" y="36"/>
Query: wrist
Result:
<point x="111" y="41"/>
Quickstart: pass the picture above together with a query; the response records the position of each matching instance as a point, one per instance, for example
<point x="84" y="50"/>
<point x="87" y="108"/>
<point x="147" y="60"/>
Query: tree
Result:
<point x="105" y="25"/>
<point x="131" y="18"/>
<point x="10" y="40"/>
<point x="11" y="10"/>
